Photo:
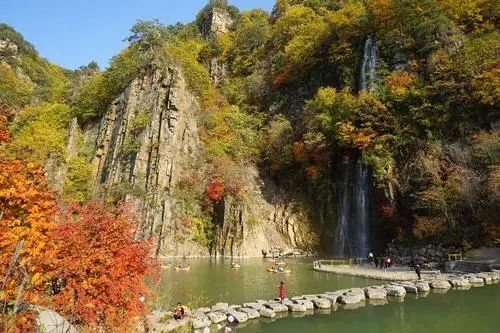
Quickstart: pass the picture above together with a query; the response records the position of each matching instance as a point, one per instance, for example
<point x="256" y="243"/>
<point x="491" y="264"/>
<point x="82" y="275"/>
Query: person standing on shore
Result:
<point x="370" y="258"/>
<point x="417" y="270"/>
<point x="282" y="291"/>
<point x="376" y="260"/>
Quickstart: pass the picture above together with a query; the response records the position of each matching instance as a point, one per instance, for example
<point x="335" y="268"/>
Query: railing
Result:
<point x="334" y="262"/>
<point x="455" y="257"/>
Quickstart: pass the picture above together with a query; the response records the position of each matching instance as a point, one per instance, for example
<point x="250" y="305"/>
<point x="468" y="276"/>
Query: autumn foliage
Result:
<point x="101" y="266"/>
<point x="215" y="190"/>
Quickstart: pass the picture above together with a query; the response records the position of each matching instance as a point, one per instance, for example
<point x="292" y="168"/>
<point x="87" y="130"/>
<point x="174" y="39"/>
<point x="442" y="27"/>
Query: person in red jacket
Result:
<point x="282" y="291"/>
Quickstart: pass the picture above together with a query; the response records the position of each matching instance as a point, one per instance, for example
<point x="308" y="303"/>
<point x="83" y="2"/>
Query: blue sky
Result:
<point x="72" y="33"/>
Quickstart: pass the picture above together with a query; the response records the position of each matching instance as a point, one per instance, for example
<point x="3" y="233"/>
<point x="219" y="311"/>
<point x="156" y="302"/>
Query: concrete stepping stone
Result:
<point x="410" y="288"/>
<point x="375" y="293"/>
<point x="330" y="297"/>
<point x="217" y="317"/>
<point x="308" y="304"/>
<point x="239" y="317"/>
<point x="261" y="301"/>
<point x="256" y="306"/>
<point x="277" y="307"/>
<point x="396" y="291"/>
<point x="309" y="297"/>
<point x="422" y="286"/>
<point x="440" y="284"/>
<point x="294" y="307"/>
<point x="322" y="303"/>
<point x="350" y="298"/>
<point x="222" y="307"/>
<point x="251" y="313"/>
<point x="475" y="281"/>
<point x="204" y="310"/>
<point x="485" y="277"/>
<point x="200" y="321"/>
<point x="267" y="313"/>
<point x="459" y="283"/>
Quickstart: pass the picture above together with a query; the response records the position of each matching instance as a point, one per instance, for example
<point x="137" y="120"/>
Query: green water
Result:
<point x="213" y="280"/>
<point x="476" y="311"/>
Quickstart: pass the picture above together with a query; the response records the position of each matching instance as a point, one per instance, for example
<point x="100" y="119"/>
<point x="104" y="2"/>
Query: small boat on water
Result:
<point x="182" y="268"/>
<point x="235" y="265"/>
<point x="165" y="266"/>
<point x="279" y="267"/>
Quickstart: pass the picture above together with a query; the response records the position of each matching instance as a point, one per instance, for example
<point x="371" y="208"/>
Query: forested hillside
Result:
<point x="242" y="131"/>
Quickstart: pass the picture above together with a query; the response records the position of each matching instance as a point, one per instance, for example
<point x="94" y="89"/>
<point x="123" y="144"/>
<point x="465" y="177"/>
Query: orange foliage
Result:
<point x="215" y="191"/>
<point x="26" y="210"/>
<point x="426" y="227"/>
<point x="400" y="82"/>
<point x="5" y="112"/>
<point x="299" y="152"/>
<point x="101" y="267"/>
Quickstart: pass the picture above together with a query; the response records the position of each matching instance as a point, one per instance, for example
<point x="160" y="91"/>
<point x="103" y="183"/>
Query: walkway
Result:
<point x="395" y="273"/>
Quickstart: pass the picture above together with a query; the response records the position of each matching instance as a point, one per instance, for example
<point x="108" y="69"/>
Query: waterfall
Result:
<point x="353" y="223"/>
<point x="367" y="79"/>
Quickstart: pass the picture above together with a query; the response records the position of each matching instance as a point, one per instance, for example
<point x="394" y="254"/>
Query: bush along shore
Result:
<point x="224" y="315"/>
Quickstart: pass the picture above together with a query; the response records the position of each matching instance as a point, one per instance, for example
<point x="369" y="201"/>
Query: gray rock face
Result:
<point x="218" y="21"/>
<point x="251" y="313"/>
<point x="51" y="322"/>
<point x="217" y="317"/>
<point x="267" y="313"/>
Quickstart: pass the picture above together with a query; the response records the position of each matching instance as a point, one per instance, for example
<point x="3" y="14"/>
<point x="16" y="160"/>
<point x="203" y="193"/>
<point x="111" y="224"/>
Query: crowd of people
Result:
<point x="380" y="262"/>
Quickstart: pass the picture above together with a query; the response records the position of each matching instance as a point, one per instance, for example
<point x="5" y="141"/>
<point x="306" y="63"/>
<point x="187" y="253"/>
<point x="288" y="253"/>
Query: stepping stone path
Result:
<point x="299" y="306"/>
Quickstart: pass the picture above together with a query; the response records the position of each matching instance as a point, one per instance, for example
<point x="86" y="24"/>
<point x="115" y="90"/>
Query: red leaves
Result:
<point x="102" y="266"/>
<point x="215" y="190"/>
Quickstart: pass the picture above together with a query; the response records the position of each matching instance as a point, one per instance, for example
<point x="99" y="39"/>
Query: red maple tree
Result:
<point x="101" y="267"/>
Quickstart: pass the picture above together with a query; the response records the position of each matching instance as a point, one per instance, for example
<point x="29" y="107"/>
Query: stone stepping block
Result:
<point x="204" y="310"/>
<point x="410" y="288"/>
<point x="440" y="284"/>
<point x="485" y="277"/>
<point x="396" y="291"/>
<point x="330" y="297"/>
<point x="200" y="322"/>
<point x="255" y="306"/>
<point x="217" y="317"/>
<point x="423" y="287"/>
<point x="235" y="306"/>
<point x="474" y="280"/>
<point x="222" y="307"/>
<point x="261" y="301"/>
<point x="310" y="297"/>
<point x="322" y="303"/>
<point x="351" y="298"/>
<point x="308" y="304"/>
<point x="357" y="291"/>
<point x="459" y="283"/>
<point x="239" y="317"/>
<point x="267" y="313"/>
<point x="375" y="293"/>
<point x="494" y="276"/>
<point x="294" y="307"/>
<point x="250" y="312"/>
<point x="297" y="298"/>
<point x="277" y="307"/>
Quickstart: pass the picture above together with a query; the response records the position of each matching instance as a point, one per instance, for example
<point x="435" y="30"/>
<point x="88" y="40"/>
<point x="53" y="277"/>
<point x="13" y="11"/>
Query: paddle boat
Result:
<point x="165" y="265"/>
<point x="235" y="265"/>
<point x="279" y="267"/>
<point x="182" y="268"/>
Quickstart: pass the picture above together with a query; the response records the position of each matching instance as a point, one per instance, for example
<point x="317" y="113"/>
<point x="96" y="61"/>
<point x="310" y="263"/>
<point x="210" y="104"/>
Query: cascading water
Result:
<point x="353" y="227"/>
<point x="353" y="223"/>
<point x="368" y="76"/>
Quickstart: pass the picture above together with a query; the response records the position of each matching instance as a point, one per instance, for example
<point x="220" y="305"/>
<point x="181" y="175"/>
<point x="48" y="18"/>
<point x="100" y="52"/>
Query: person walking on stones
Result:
<point x="417" y="270"/>
<point x="282" y="291"/>
<point x="370" y="257"/>
<point x="376" y="261"/>
<point x="179" y="312"/>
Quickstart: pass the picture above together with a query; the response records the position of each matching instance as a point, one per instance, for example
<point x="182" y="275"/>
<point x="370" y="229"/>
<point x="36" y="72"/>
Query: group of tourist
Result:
<point x="380" y="262"/>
